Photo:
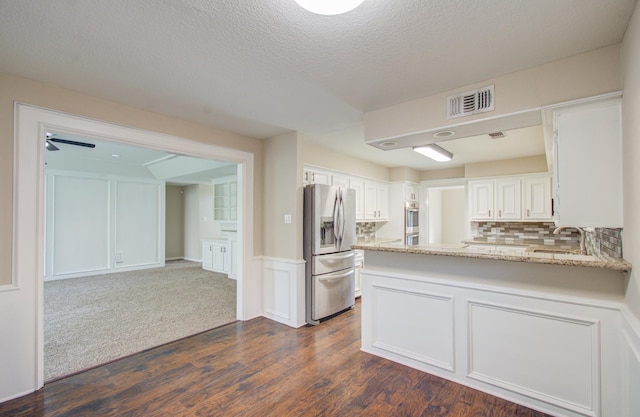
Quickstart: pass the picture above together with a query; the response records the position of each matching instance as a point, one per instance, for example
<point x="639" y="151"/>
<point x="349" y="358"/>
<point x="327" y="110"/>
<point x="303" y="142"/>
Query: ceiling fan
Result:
<point x="51" y="147"/>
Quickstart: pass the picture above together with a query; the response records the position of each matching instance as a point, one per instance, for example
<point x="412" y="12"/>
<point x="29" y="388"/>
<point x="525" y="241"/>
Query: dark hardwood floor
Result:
<point x="261" y="368"/>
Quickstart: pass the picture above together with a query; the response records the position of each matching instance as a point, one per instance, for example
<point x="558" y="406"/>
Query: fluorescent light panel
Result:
<point x="434" y="152"/>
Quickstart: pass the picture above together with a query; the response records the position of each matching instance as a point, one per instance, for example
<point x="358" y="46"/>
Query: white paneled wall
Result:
<point x="139" y="233"/>
<point x="98" y="225"/>
<point x="564" y="355"/>
<point x="78" y="222"/>
<point x="283" y="291"/>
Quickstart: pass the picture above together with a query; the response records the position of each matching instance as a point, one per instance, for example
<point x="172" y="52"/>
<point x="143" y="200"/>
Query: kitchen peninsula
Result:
<point x="539" y="329"/>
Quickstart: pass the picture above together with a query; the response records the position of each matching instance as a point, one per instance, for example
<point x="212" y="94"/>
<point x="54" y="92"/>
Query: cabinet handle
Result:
<point x="527" y="212"/>
<point x="489" y="213"/>
<point x="499" y="213"/>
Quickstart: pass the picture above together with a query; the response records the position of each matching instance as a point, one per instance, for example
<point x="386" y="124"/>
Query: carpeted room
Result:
<point x="111" y="223"/>
<point x="94" y="320"/>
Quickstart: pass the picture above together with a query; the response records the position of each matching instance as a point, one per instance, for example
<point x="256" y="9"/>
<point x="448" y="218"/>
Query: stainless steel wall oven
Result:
<point x="411" y="223"/>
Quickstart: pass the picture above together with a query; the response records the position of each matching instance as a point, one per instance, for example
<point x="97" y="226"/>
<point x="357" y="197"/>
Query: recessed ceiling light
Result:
<point x="115" y="155"/>
<point x="388" y="144"/>
<point x="329" y="7"/>
<point x="444" y="134"/>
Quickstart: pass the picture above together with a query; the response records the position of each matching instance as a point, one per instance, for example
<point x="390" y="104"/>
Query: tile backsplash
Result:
<point x="366" y="231"/>
<point x="598" y="240"/>
<point x="538" y="233"/>
<point x="609" y="242"/>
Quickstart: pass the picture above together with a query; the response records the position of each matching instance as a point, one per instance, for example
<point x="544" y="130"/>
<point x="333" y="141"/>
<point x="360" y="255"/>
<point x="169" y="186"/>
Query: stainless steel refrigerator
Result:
<point x="329" y="232"/>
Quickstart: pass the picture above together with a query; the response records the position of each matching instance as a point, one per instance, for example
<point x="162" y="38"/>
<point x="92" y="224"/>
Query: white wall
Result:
<point x="630" y="56"/>
<point x="453" y="215"/>
<point x="98" y="224"/>
<point x="434" y="207"/>
<point x="631" y="145"/>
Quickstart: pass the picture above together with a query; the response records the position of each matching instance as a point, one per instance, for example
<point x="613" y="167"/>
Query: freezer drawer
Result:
<point x="323" y="264"/>
<point x="332" y="293"/>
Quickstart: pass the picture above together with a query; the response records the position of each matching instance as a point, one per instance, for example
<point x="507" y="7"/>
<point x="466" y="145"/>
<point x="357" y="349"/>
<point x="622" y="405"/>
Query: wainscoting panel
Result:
<point x="283" y="295"/>
<point x="548" y="357"/>
<point x="414" y="324"/>
<point x="78" y="224"/>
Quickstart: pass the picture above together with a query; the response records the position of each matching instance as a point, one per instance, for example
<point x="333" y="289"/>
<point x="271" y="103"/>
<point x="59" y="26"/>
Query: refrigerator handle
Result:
<point x="336" y="210"/>
<point x="342" y="220"/>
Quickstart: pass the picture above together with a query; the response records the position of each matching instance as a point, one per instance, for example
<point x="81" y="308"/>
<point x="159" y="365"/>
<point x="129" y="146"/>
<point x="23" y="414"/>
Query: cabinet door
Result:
<point x="221" y="201"/>
<point x="207" y="256"/>
<point x="589" y="165"/>
<point x="481" y="200"/>
<point x="225" y="199"/>
<point x="537" y="198"/>
<point x="218" y="257"/>
<point x="370" y="200"/>
<point x="410" y="192"/>
<point x="358" y="185"/>
<point x="341" y="181"/>
<point x="317" y="177"/>
<point x="508" y="200"/>
<point x="382" y="201"/>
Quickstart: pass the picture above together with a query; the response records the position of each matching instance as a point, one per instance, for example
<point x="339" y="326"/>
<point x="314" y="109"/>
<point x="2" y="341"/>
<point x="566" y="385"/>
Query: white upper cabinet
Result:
<point x="358" y="185"/>
<point x="341" y="181"/>
<point x="537" y="198"/>
<point x="508" y="199"/>
<point x="372" y="196"/>
<point x="588" y="163"/>
<point x="312" y="176"/>
<point x="511" y="198"/>
<point x="225" y="199"/>
<point x="481" y="200"/>
<point x="376" y="200"/>
<point x="410" y="192"/>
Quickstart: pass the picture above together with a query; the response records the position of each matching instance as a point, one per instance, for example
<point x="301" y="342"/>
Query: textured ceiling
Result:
<point x="264" y="67"/>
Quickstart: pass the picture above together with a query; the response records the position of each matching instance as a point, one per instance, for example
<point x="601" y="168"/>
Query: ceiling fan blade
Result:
<point x="72" y="142"/>
<point x="50" y="146"/>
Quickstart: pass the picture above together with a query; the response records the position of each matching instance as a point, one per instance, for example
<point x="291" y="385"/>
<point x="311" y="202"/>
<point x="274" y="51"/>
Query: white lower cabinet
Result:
<point x="216" y="255"/>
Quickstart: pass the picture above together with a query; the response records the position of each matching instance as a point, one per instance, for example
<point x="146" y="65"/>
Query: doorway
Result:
<point x="25" y="295"/>
<point x="111" y="219"/>
<point x="446" y="214"/>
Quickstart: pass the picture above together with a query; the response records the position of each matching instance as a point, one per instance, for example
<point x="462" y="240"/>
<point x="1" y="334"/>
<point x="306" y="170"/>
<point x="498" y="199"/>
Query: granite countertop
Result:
<point x="499" y="252"/>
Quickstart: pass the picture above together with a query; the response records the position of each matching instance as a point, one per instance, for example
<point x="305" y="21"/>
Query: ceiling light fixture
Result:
<point x="329" y="7"/>
<point x="444" y="134"/>
<point x="434" y="152"/>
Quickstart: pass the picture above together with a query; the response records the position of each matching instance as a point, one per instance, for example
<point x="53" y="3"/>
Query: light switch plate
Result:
<point x="287" y="219"/>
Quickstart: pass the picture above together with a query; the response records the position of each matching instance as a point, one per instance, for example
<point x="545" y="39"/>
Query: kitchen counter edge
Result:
<point x="501" y="255"/>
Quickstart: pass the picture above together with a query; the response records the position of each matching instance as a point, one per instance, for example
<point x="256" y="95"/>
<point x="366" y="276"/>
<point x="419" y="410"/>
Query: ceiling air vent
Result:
<point x="471" y="102"/>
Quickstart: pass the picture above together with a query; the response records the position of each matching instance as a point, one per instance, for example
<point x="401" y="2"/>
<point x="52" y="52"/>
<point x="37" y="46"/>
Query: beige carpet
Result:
<point x="93" y="320"/>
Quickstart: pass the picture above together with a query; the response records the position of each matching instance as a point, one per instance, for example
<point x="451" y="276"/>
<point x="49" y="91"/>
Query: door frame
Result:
<point x="21" y="302"/>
